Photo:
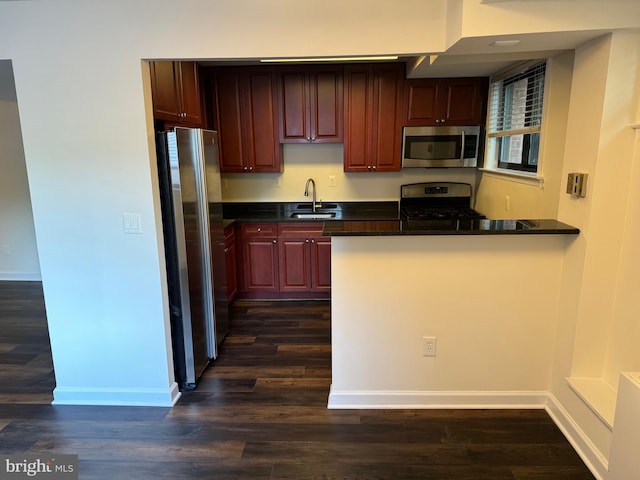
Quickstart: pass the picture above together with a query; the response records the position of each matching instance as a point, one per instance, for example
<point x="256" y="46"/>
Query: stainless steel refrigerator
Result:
<point x="191" y="200"/>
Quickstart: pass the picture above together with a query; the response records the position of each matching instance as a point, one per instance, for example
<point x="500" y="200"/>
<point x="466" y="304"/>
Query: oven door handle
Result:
<point x="462" y="147"/>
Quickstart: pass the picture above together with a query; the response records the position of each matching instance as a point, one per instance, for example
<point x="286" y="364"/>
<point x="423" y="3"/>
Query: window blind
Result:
<point x="516" y="102"/>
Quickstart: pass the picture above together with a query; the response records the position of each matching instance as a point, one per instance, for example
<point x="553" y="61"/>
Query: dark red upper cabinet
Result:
<point x="373" y="116"/>
<point x="247" y="120"/>
<point x="175" y="92"/>
<point x="445" y="101"/>
<point x="310" y="101"/>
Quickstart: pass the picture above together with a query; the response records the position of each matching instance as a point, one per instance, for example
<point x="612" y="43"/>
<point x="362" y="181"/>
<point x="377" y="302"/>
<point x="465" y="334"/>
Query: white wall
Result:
<point x="491" y="301"/>
<point x="18" y="251"/>
<point x="598" y="313"/>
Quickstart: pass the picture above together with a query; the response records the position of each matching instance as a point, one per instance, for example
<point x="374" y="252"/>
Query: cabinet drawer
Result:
<point x="297" y="229"/>
<point x="255" y="229"/>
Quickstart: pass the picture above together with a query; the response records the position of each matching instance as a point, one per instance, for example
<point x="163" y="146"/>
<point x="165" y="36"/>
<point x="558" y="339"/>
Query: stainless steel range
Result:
<point x="437" y="205"/>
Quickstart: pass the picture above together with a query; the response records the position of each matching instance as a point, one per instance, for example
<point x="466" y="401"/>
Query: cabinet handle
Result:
<point x="274" y="241"/>
<point x="258" y="229"/>
<point x="437" y="120"/>
<point x="442" y="120"/>
<point x="313" y="241"/>
<point x="245" y="168"/>
<point x="226" y="250"/>
<point x="306" y="241"/>
<point x="250" y="168"/>
<point x="313" y="139"/>
<point x="309" y="139"/>
<point x="374" y="167"/>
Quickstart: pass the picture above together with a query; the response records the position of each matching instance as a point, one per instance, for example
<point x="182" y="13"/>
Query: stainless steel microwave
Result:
<point x="440" y="146"/>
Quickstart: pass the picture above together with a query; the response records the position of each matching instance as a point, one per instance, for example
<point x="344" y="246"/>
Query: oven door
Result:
<point x="440" y="146"/>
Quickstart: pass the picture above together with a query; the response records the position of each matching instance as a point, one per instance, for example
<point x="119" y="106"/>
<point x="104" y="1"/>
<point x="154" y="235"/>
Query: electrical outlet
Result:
<point x="332" y="180"/>
<point x="507" y="203"/>
<point x="429" y="346"/>
<point x="277" y="182"/>
<point x="6" y="250"/>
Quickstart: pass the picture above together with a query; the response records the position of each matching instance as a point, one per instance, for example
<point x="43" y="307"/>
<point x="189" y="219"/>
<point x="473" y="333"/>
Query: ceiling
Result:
<point x="483" y="56"/>
<point x="480" y="56"/>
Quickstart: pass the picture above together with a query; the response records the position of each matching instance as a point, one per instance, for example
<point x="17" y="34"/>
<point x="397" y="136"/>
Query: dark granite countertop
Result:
<point x="438" y="227"/>
<point x="381" y="219"/>
<point x="282" y="211"/>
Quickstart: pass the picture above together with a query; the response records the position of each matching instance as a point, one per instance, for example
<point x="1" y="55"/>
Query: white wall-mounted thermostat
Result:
<point x="577" y="184"/>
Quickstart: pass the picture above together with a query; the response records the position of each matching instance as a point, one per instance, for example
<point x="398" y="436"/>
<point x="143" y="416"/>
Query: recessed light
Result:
<point x="504" y="43"/>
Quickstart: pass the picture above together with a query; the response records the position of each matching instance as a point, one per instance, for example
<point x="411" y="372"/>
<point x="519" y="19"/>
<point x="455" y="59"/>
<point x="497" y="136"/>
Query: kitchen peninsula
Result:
<point x="392" y="287"/>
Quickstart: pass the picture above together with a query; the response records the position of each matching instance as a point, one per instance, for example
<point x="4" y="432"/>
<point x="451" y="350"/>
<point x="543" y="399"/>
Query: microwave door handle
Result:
<point x="462" y="147"/>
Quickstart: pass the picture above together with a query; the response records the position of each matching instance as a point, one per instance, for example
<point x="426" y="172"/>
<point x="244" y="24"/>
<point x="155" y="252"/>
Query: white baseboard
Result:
<point x="585" y="448"/>
<point x="428" y="399"/>
<point x="144" y="397"/>
<point x="20" y="276"/>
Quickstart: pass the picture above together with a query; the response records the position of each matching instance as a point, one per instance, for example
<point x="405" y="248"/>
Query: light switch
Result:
<point x="132" y="222"/>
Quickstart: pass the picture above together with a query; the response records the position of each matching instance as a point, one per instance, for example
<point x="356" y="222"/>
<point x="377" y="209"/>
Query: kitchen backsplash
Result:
<point x="321" y="162"/>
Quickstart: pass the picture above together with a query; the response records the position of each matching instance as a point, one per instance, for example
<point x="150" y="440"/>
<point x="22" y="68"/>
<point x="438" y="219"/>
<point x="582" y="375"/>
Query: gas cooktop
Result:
<point x="437" y="201"/>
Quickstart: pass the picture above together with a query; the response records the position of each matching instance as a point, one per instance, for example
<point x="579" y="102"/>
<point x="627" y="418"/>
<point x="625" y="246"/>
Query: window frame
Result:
<point x="536" y="95"/>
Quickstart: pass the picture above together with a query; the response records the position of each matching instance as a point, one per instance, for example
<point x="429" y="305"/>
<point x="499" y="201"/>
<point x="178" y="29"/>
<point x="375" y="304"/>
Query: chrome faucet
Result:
<point x="313" y="197"/>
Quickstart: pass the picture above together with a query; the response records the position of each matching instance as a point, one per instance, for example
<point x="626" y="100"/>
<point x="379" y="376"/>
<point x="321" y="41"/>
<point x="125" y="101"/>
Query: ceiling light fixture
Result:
<point x="329" y="59"/>
<point x="504" y="43"/>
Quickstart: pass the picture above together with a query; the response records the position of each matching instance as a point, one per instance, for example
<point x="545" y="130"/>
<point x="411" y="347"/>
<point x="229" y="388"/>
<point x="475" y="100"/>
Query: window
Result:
<point x="515" y="118"/>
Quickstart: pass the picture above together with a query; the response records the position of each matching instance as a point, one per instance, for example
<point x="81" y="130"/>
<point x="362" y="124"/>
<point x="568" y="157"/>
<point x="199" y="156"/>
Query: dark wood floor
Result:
<point x="260" y="413"/>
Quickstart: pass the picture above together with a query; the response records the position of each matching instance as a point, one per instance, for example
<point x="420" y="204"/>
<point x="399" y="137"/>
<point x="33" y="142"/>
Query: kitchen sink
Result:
<point x="321" y="206"/>
<point x="313" y="215"/>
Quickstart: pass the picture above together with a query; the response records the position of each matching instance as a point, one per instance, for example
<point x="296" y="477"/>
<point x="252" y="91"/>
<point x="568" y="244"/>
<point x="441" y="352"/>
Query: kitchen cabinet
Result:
<point x="373" y="117"/>
<point x="259" y="258"/>
<point x="284" y="260"/>
<point x="231" y="261"/>
<point x="247" y="120"/>
<point x="310" y="101"/>
<point x="175" y="91"/>
<point x="445" y="101"/>
<point x="304" y="258"/>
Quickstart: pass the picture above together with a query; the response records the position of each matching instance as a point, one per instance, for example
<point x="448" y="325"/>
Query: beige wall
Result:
<point x="321" y="161"/>
<point x="508" y="196"/>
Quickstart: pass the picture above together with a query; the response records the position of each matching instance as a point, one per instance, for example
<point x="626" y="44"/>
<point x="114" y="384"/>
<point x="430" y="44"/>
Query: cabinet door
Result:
<point x="373" y="116"/>
<point x="260" y="264"/>
<point x="445" y="101"/>
<point x="311" y="104"/>
<point x="261" y="121"/>
<point x="164" y="91"/>
<point x="421" y="104"/>
<point x="326" y="104"/>
<point x="229" y="120"/>
<point x="387" y="127"/>
<point x="358" y="107"/>
<point x="464" y="101"/>
<point x="321" y="264"/>
<point x="191" y="111"/>
<point x="259" y="257"/>
<point x="294" y="114"/>
<point x="293" y="257"/>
